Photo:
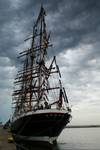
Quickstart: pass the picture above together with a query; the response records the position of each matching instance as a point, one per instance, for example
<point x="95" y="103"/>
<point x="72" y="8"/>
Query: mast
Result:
<point x="33" y="80"/>
<point x="41" y="16"/>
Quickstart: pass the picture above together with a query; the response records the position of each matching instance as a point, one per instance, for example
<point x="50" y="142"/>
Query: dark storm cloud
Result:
<point x="72" y="22"/>
<point x="80" y="23"/>
<point x="6" y="32"/>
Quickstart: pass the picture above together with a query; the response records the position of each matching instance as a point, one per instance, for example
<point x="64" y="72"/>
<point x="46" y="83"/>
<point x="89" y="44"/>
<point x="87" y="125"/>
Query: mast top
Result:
<point x="42" y="13"/>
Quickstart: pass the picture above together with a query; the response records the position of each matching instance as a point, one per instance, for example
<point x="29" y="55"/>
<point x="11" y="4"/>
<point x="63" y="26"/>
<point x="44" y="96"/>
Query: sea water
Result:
<point x="79" y="139"/>
<point x="75" y="139"/>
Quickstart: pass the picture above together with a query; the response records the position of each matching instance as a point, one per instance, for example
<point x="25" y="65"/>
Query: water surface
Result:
<point x="79" y="139"/>
<point x="75" y="139"/>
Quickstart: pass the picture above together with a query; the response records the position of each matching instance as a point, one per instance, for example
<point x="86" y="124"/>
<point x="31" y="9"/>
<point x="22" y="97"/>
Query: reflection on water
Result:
<point x="44" y="148"/>
<point x="37" y="146"/>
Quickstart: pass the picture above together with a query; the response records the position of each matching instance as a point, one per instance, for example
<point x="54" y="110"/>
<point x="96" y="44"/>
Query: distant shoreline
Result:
<point x="83" y="126"/>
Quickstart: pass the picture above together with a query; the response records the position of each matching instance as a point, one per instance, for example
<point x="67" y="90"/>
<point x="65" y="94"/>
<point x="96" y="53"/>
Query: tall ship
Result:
<point x="40" y="104"/>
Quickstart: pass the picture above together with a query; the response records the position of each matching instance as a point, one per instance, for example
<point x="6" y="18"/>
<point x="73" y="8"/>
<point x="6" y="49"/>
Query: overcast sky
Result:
<point x="75" y="34"/>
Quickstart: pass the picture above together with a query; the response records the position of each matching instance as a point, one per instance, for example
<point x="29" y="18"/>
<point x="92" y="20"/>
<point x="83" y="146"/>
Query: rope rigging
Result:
<point x="36" y="80"/>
